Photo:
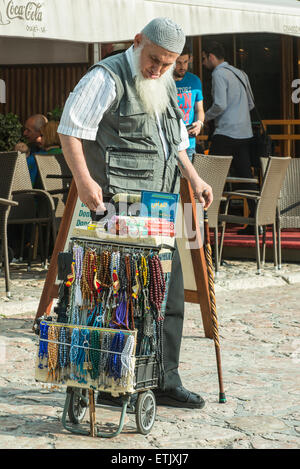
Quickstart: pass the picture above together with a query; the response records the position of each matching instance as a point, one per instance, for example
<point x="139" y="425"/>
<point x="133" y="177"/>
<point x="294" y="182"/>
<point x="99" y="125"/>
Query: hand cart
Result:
<point x="144" y="370"/>
<point x="78" y="400"/>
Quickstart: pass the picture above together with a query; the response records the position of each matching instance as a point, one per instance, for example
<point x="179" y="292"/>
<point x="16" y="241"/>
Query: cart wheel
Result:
<point x="145" y="412"/>
<point x="78" y="405"/>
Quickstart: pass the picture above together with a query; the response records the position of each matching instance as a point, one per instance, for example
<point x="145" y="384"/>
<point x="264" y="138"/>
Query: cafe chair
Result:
<point x="55" y="178"/>
<point x="289" y="201"/>
<point x="6" y="203"/>
<point x="288" y="209"/>
<point x="35" y="206"/>
<point x="213" y="170"/>
<point x="266" y="206"/>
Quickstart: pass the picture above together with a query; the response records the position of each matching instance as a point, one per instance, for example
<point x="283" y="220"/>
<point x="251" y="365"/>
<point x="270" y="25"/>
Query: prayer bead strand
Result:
<point x="43" y="345"/>
<point x="52" y="352"/>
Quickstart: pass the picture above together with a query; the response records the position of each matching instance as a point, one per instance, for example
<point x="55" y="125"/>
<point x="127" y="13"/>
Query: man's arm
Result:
<point x="89" y="192"/>
<point x="219" y="92"/>
<point x="201" y="189"/>
<point x="80" y="119"/>
<point x="199" y="119"/>
<point x="249" y="94"/>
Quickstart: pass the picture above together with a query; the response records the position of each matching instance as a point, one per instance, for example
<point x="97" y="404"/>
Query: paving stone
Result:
<point x="259" y="333"/>
<point x="267" y="443"/>
<point x="257" y="424"/>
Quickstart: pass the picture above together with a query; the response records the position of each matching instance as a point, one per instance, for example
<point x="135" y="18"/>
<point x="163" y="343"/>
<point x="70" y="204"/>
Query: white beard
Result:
<point x="154" y="93"/>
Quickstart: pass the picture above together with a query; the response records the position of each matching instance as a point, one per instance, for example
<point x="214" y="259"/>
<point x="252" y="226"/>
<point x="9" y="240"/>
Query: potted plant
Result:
<point x="10" y="131"/>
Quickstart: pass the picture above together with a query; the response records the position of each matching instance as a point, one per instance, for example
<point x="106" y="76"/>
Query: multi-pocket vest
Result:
<point x="128" y="155"/>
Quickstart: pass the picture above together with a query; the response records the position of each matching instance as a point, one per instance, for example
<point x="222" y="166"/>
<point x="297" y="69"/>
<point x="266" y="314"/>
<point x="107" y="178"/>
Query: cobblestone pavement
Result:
<point x="259" y="329"/>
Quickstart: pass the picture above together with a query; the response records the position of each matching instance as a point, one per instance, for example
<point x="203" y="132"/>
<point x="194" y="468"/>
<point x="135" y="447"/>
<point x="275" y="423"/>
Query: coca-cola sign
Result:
<point x="11" y="10"/>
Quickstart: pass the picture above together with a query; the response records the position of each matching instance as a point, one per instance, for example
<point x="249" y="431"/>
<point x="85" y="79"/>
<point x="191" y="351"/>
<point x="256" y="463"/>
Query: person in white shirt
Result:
<point x="230" y="111"/>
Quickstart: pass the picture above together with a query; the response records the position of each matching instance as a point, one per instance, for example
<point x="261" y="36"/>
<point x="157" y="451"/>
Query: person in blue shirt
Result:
<point x="32" y="133"/>
<point x="190" y="98"/>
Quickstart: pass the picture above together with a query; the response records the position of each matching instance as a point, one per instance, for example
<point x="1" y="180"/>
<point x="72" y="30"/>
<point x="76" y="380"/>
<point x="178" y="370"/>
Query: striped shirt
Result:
<point x="91" y="98"/>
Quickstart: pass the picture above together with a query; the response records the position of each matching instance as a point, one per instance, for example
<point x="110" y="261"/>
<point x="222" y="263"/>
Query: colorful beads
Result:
<point x="111" y="288"/>
<point x="79" y="352"/>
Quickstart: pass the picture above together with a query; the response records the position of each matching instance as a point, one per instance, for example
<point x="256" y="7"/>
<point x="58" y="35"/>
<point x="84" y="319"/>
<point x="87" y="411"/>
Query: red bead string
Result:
<point x="91" y="269"/>
<point x="129" y="309"/>
<point x="157" y="284"/>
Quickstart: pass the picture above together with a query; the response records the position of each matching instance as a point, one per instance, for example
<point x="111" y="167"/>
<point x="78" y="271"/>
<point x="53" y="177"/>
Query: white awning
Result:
<point x="120" y="20"/>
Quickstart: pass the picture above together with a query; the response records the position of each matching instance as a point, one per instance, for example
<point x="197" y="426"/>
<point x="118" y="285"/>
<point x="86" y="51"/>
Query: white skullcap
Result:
<point x="165" y="33"/>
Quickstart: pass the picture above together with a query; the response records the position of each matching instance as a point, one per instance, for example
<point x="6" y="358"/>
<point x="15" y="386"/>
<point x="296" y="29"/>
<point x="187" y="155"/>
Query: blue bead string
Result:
<point x="115" y="363"/>
<point x="63" y="350"/>
<point x="43" y="345"/>
<point x="82" y="355"/>
<point x="99" y="317"/>
<point x="74" y="352"/>
<point x="91" y="316"/>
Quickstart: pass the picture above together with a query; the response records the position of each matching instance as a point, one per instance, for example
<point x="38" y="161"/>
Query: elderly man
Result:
<point x="32" y="132"/>
<point x="121" y="131"/>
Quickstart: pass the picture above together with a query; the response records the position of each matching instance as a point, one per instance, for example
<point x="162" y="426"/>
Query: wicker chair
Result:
<point x="35" y="207"/>
<point x="288" y="209"/>
<point x="213" y="170"/>
<point x="266" y="205"/>
<point x="58" y="184"/>
<point x="289" y="202"/>
<point x="6" y="203"/>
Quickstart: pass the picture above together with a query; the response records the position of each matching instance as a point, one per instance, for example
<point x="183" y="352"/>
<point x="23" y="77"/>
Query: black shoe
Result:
<point x="250" y="230"/>
<point x="105" y="398"/>
<point x="179" y="397"/>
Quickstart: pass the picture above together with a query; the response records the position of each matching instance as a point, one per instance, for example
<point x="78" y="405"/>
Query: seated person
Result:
<point x="49" y="139"/>
<point x="31" y="163"/>
<point x="32" y="133"/>
<point x="22" y="148"/>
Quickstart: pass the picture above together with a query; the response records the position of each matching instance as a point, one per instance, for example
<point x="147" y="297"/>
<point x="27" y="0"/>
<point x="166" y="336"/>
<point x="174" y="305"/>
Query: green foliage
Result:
<point x="10" y="131"/>
<point x="55" y="114"/>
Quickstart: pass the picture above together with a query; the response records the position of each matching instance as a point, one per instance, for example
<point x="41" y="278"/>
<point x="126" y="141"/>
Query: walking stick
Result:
<point x="213" y="310"/>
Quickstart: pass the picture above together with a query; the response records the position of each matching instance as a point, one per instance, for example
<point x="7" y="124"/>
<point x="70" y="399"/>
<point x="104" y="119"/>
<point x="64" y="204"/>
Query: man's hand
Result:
<point x="197" y="126"/>
<point x="203" y="192"/>
<point x="90" y="194"/>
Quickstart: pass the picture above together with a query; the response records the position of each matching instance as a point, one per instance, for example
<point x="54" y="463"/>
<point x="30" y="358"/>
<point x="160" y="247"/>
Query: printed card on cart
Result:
<point x="159" y="205"/>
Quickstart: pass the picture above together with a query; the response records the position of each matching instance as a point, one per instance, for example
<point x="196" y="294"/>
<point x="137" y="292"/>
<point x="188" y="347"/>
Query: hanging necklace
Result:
<point x="129" y="309"/>
<point x="95" y="354"/>
<point x="43" y="345"/>
<point x="74" y="352"/>
<point x="127" y="362"/>
<point x="104" y="355"/>
<point x="89" y="292"/>
<point x="52" y="352"/>
<point x="82" y="356"/>
<point x="114" y="361"/>
<point x="157" y="283"/>
<point x="104" y="278"/>
<point x="63" y="351"/>
<point x="78" y="256"/>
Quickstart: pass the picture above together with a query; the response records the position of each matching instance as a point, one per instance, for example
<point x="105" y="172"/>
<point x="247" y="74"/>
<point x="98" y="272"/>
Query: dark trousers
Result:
<point x="239" y="149"/>
<point x="173" y="325"/>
